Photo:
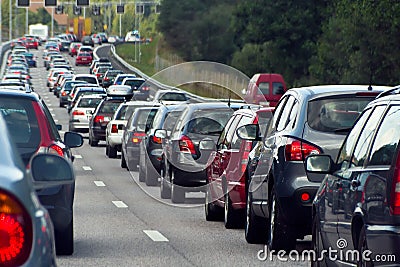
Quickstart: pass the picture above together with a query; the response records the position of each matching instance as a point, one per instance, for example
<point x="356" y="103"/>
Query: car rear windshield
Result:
<point x="125" y="112"/>
<point x="90" y="80"/>
<point x="89" y="102"/>
<point x="134" y="83"/>
<point x="21" y="122"/>
<point x="145" y="119"/>
<point x="109" y="107"/>
<point x="209" y="122"/>
<point x="173" y="97"/>
<point x="335" y="115"/>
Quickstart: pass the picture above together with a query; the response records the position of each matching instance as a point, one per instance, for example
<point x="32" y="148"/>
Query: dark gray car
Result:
<point x="309" y="120"/>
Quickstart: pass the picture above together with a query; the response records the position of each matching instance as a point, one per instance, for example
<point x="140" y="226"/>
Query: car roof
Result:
<point x="21" y="94"/>
<point x="334" y="89"/>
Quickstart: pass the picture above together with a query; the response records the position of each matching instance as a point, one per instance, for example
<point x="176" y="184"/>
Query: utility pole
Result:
<point x="26" y="20"/>
<point x="10" y="26"/>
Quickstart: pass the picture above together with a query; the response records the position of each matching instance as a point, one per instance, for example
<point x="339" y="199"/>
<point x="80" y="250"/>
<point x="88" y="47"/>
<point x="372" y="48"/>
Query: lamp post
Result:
<point x="10" y="26"/>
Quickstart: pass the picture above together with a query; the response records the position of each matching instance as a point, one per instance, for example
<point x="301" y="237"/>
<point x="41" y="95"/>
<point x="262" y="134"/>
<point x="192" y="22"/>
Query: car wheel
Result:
<point x="316" y="242"/>
<point x="280" y="236"/>
<point x="212" y="211"/>
<point x="61" y="105"/>
<point x="363" y="246"/>
<point x="232" y="218"/>
<point x="255" y="230"/>
<point x="123" y="161"/>
<point x="150" y="175"/>
<point x="165" y="190"/>
<point x="141" y="174"/>
<point x="65" y="240"/>
<point x="177" y="192"/>
<point x="92" y="141"/>
<point x="112" y="152"/>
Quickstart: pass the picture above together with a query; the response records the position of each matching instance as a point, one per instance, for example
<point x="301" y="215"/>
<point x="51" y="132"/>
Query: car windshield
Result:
<point x="335" y="115"/>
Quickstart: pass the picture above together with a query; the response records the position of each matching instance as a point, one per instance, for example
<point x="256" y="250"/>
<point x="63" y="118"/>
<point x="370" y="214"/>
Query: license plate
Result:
<point x="84" y="59"/>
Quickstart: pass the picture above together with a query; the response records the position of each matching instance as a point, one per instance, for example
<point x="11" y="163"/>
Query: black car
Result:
<point x="151" y="147"/>
<point x="101" y="116"/>
<point x="87" y="40"/>
<point x="109" y="77"/>
<point x="135" y="130"/>
<point x="184" y="165"/>
<point x="308" y="120"/>
<point x="358" y="202"/>
<point x="33" y="130"/>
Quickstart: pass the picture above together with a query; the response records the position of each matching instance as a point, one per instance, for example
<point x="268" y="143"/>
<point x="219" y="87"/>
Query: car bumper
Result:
<point x="114" y="140"/>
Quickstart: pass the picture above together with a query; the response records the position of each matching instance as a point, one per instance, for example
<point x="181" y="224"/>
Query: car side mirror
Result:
<point x="72" y="139"/>
<point x="49" y="170"/>
<point x="207" y="144"/>
<point x="160" y="133"/>
<point x="249" y="132"/>
<point x="319" y="164"/>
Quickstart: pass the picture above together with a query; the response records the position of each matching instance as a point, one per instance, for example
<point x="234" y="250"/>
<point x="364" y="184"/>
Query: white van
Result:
<point x="132" y="36"/>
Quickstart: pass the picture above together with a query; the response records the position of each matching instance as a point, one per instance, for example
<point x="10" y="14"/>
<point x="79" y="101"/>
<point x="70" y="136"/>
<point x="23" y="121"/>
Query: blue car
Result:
<point x="30" y="59"/>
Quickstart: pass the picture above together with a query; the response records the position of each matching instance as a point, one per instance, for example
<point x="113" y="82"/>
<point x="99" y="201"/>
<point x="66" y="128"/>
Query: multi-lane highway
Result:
<point x="118" y="221"/>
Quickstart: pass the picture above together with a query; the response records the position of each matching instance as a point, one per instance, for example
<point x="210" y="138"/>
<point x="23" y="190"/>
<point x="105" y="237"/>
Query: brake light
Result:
<point x="98" y="74"/>
<point x="77" y="112"/>
<point x="15" y="231"/>
<point x="137" y="137"/>
<point x="296" y="150"/>
<point x="106" y="79"/>
<point x="305" y="197"/>
<point x="63" y="94"/>
<point x="54" y="149"/>
<point x="114" y="128"/>
<point x="245" y="155"/>
<point x="395" y="194"/>
<point x="157" y="140"/>
<point x="186" y="145"/>
<point x="145" y="88"/>
<point x="98" y="119"/>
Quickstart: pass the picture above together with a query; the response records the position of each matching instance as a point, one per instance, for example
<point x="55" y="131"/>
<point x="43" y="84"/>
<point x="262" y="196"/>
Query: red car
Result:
<point x="227" y="173"/>
<point x="31" y="43"/>
<point x="83" y="58"/>
<point x="73" y="49"/>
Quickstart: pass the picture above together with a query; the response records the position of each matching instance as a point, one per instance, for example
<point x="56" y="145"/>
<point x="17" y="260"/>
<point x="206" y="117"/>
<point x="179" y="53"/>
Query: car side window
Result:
<point x="277" y="114"/>
<point x="387" y="138"/>
<point x="236" y="141"/>
<point x="222" y="136"/>
<point x="345" y="152"/>
<point x="226" y="142"/>
<point x="284" y="119"/>
<point x="364" y="140"/>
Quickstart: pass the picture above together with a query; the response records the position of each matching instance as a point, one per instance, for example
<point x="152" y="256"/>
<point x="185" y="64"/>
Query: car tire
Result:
<point x="141" y="174"/>
<point x="177" y="192"/>
<point x="280" y="236"/>
<point x="150" y="175"/>
<point x="255" y="230"/>
<point x="212" y="211"/>
<point x="165" y="189"/>
<point x="112" y="152"/>
<point x="232" y="217"/>
<point x="61" y="105"/>
<point x="363" y="246"/>
<point x="65" y="240"/>
<point x="92" y="142"/>
<point x="123" y="161"/>
<point x="316" y="243"/>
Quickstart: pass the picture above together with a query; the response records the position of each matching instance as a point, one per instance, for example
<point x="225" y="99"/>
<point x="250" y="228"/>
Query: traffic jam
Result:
<point x="284" y="176"/>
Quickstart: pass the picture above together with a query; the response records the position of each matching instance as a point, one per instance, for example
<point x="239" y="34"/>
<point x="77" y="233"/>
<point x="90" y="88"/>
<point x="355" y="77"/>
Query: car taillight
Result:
<point x="145" y="88"/>
<point x="98" y="74"/>
<point x="63" y="94"/>
<point x="54" y="149"/>
<point x="78" y="112"/>
<point x="137" y="137"/>
<point x="157" y="140"/>
<point x="15" y="231"/>
<point x="296" y="150"/>
<point x="186" y="145"/>
<point x="395" y="194"/>
<point x="245" y="155"/>
<point x="114" y="128"/>
<point x="98" y="119"/>
<point x="106" y="78"/>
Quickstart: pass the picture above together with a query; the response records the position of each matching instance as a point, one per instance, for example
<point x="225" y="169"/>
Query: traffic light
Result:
<point x="82" y="2"/>
<point x="120" y="9"/>
<point x="22" y="3"/>
<point x="50" y="2"/>
<point x="96" y="10"/>
<point x="60" y="9"/>
<point x="77" y="10"/>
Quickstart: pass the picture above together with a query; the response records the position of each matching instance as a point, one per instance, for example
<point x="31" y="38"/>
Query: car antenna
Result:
<point x="229" y="99"/>
<point x="370" y="79"/>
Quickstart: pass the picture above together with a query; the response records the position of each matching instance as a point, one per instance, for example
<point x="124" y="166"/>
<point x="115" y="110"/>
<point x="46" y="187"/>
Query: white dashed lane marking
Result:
<point x="120" y="204"/>
<point x="99" y="183"/>
<point x="78" y="156"/>
<point x="86" y="168"/>
<point x="156" y="236"/>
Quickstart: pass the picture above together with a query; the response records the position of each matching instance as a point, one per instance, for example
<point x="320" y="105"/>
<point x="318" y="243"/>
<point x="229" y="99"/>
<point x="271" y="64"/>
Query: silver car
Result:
<point x="27" y="234"/>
